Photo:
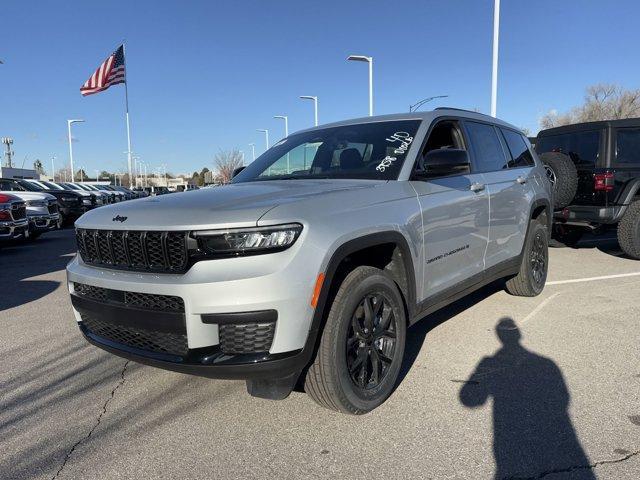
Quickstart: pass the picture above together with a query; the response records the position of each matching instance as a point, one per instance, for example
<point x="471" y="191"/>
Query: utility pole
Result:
<point x="9" y="153"/>
<point x="494" y="67"/>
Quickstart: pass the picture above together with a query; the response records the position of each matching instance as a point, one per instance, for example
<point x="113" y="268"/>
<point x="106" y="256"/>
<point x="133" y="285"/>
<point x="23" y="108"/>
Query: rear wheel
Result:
<point x="362" y="345"/>
<point x="629" y="231"/>
<point x="563" y="176"/>
<point x="530" y="280"/>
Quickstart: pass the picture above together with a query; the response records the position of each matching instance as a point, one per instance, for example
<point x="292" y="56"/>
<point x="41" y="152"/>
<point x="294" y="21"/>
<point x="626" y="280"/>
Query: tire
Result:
<point x="33" y="236"/>
<point x="563" y="175"/>
<point x="629" y="231"/>
<point x="566" y="238"/>
<point x="530" y="280"/>
<point x="335" y="379"/>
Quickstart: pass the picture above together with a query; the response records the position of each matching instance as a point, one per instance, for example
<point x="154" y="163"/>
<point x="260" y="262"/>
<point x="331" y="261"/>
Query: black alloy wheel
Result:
<point x="371" y="341"/>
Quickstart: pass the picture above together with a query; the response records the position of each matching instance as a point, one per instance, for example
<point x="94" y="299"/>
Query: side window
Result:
<point x="628" y="146"/>
<point x="489" y="155"/>
<point x="520" y="154"/>
<point x="444" y="135"/>
<point x="9" y="186"/>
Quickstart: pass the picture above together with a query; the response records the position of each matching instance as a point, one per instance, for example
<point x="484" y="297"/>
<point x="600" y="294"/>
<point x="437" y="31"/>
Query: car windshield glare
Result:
<point x="359" y="151"/>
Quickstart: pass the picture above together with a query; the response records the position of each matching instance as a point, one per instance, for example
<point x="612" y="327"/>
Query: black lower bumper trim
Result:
<point x="213" y="364"/>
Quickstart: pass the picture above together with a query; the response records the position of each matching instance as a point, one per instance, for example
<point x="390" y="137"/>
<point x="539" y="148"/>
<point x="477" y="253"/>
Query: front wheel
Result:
<point x="530" y="280"/>
<point x="362" y="344"/>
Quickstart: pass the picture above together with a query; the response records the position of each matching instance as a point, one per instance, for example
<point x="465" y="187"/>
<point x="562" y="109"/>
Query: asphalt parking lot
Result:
<point x="493" y="387"/>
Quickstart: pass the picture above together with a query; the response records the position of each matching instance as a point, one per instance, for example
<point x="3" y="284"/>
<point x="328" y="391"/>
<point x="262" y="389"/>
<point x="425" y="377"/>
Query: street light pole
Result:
<point x="53" y="168"/>
<point x="69" y="123"/>
<point x="286" y="134"/>
<point x="494" y="69"/>
<point x="315" y="107"/>
<point x="369" y="60"/>
<point x="253" y="151"/>
<point x="266" y="136"/>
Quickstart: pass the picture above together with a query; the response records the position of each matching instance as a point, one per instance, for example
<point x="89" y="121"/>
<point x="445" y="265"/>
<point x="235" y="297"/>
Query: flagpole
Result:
<point x="126" y="101"/>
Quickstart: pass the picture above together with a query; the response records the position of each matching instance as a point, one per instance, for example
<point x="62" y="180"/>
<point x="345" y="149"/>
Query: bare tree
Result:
<point x="63" y="174"/>
<point x="601" y="102"/>
<point x="226" y="162"/>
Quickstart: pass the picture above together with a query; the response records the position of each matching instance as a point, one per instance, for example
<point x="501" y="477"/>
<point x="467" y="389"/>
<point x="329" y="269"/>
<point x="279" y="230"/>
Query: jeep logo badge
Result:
<point x="118" y="218"/>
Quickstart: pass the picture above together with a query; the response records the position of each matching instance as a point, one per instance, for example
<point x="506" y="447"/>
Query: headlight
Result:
<point x="248" y="241"/>
<point x="86" y="201"/>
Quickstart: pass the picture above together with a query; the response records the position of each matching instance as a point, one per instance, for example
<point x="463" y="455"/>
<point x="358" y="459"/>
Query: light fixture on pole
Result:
<point x="253" y="151"/>
<point x="266" y="136"/>
<point x="416" y="106"/>
<point x="315" y="107"/>
<point x="369" y="60"/>
<point x="494" y="67"/>
<point x="69" y="123"/>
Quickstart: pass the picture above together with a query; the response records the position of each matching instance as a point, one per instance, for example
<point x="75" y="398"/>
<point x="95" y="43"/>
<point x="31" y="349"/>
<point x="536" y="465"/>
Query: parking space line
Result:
<point x="593" y="279"/>
<point x="538" y="308"/>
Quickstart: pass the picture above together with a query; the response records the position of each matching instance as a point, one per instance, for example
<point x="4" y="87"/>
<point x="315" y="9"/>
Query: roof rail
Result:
<point x="459" y="109"/>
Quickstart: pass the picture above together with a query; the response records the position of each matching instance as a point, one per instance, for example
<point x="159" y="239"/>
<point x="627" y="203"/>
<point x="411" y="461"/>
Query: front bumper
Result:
<point x="13" y="229"/>
<point x="214" y="292"/>
<point x="74" y="211"/>
<point x="43" y="222"/>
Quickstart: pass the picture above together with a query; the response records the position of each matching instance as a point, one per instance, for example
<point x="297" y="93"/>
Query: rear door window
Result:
<point x="583" y="147"/>
<point x="520" y="154"/>
<point x="628" y="146"/>
<point x="488" y="154"/>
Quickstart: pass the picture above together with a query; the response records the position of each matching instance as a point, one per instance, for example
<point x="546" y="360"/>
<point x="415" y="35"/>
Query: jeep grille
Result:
<point x="134" y="250"/>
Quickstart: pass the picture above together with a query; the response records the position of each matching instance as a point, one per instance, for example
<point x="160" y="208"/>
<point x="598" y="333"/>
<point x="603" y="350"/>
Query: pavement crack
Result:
<point x="95" y="425"/>
<point x="575" y="467"/>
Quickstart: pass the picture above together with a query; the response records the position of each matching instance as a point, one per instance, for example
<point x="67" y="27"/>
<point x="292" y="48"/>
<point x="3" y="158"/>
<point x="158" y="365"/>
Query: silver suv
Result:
<point x="308" y="269"/>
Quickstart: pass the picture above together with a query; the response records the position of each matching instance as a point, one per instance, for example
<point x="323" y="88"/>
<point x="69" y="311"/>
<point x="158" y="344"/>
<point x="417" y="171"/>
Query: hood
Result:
<point x="30" y="195"/>
<point x="234" y="205"/>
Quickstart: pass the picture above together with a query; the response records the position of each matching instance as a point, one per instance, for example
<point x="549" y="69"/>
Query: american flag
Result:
<point x="111" y="72"/>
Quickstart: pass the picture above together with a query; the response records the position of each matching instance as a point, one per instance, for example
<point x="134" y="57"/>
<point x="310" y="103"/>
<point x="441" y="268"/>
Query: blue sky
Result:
<point x="204" y="75"/>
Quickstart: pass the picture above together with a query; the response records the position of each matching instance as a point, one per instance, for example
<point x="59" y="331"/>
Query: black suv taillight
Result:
<point x="603" y="182"/>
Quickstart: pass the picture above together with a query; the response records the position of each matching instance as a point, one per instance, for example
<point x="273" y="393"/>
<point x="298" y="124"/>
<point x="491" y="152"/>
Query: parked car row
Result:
<point x="29" y="208"/>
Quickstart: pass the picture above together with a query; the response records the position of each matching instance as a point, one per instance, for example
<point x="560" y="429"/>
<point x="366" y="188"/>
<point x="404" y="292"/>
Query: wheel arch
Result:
<point x="630" y="192"/>
<point x="395" y="248"/>
<point x="541" y="208"/>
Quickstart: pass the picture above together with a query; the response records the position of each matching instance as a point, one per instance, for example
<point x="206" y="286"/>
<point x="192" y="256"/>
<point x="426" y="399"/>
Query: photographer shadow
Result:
<point x="532" y="430"/>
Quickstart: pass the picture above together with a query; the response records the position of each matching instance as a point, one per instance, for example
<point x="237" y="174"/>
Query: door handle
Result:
<point x="476" y="187"/>
<point x="521" y="180"/>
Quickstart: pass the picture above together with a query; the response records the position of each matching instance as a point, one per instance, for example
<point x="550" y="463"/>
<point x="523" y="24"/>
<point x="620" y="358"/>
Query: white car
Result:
<point x="42" y="208"/>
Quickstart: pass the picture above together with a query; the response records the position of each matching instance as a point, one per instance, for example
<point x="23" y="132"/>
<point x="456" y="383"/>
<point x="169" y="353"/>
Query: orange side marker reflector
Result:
<point x="316" y="290"/>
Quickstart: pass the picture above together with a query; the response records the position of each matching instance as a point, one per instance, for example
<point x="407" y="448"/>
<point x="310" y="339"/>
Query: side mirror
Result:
<point x="236" y="171"/>
<point x="446" y="161"/>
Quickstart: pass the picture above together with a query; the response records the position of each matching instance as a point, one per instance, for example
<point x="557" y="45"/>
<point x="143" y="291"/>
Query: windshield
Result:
<point x="51" y="185"/>
<point x="363" y="151"/>
<point x="29" y="186"/>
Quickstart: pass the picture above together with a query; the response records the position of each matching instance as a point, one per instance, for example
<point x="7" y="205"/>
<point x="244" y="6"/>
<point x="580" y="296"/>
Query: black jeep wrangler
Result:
<point x="595" y="170"/>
